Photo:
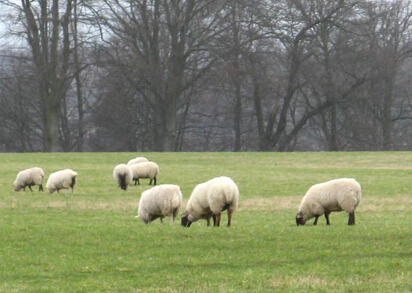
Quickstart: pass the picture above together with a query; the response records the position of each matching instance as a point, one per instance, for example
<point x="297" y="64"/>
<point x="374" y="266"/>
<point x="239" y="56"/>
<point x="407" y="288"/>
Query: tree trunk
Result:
<point x="51" y="67"/>
<point x="333" y="144"/>
<point x="387" y="115"/>
<point x="236" y="76"/>
<point x="52" y="112"/>
<point x="257" y="99"/>
<point x="158" y="125"/>
<point x="238" y="116"/>
<point x="169" y="141"/>
<point x="79" y="91"/>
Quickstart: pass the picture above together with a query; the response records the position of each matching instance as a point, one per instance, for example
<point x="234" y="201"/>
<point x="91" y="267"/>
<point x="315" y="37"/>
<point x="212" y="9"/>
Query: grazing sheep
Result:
<point x="145" y="170"/>
<point x="29" y="177"/>
<point x="159" y="202"/>
<point x="63" y="179"/>
<point x="137" y="160"/>
<point x="209" y="199"/>
<point x="337" y="195"/>
<point x="123" y="175"/>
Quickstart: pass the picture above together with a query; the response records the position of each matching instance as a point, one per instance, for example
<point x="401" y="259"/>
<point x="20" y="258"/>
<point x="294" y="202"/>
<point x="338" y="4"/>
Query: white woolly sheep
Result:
<point x="29" y="177"/>
<point x="137" y="160"/>
<point x="209" y="199"/>
<point x="337" y="195"/>
<point x="63" y="179"/>
<point x="159" y="202"/>
<point x="145" y="170"/>
<point x="123" y="175"/>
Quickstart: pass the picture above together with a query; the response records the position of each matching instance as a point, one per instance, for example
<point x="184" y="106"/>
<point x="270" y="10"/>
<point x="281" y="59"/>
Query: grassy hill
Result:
<point x="90" y="241"/>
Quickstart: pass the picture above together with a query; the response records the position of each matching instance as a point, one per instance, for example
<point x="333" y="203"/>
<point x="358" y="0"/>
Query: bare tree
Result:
<point x="46" y="29"/>
<point x="390" y="39"/>
<point x="20" y="108"/>
<point x="162" y="37"/>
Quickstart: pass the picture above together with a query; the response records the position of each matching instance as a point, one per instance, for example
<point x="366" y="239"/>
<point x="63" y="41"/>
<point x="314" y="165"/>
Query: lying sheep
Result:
<point x="159" y="202"/>
<point x="63" y="179"/>
<point x="145" y="170"/>
<point x="123" y="175"/>
<point x="209" y="199"/>
<point x="332" y="196"/>
<point x="137" y="160"/>
<point x="29" y="177"/>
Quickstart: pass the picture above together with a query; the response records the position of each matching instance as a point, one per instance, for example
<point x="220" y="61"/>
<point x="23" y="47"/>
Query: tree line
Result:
<point x="216" y="75"/>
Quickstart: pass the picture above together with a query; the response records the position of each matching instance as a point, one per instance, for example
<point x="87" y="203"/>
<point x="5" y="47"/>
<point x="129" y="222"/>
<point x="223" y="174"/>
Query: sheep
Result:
<point x="29" y="177"/>
<point x="137" y="160"/>
<point x="337" y="195"/>
<point x="209" y="199"/>
<point x="63" y="179"/>
<point x="123" y="175"/>
<point x="159" y="202"/>
<point x="145" y="170"/>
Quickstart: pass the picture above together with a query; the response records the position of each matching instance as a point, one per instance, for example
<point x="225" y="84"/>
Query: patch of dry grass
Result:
<point x="316" y="282"/>
<point x="275" y="204"/>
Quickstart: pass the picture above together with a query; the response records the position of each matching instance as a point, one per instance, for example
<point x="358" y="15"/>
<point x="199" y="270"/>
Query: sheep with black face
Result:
<point x="145" y="170"/>
<point x="29" y="177"/>
<point x="63" y="179"/>
<point x="209" y="199"/>
<point x="159" y="202"/>
<point x="137" y="160"/>
<point x="337" y="195"/>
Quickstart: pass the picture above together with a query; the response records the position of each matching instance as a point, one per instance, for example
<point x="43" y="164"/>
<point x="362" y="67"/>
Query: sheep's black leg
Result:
<point x="214" y="220"/>
<point x="150" y="183"/>
<point x="229" y="217"/>
<point x="135" y="182"/>
<point x="154" y="180"/>
<point x="208" y="222"/>
<point x="41" y="187"/>
<point x="30" y="188"/>
<point x="351" y="219"/>
<point x="174" y="215"/>
<point x="316" y="220"/>
<point x="327" y="218"/>
<point x="138" y="181"/>
<point x="218" y="216"/>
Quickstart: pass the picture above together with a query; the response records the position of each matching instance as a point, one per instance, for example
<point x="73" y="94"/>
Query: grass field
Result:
<point x="91" y="241"/>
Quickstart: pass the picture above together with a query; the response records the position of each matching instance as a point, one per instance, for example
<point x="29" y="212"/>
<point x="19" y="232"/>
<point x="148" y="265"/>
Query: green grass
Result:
<point x="91" y="241"/>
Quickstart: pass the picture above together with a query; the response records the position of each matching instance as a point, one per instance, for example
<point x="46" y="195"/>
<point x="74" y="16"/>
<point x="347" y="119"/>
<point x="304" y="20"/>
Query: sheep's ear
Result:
<point x="299" y="215"/>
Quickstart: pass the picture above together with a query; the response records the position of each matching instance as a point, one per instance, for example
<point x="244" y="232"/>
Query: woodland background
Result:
<point x="195" y="75"/>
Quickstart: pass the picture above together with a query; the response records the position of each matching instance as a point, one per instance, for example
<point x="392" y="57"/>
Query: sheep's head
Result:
<point x="185" y="220"/>
<point x="17" y="187"/>
<point x="299" y="219"/>
<point x="146" y="221"/>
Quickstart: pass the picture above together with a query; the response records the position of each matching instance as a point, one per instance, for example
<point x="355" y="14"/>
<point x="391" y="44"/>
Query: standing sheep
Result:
<point x="209" y="199"/>
<point x="29" y="177"/>
<point x="337" y="195"/>
<point x="159" y="202"/>
<point x="63" y="179"/>
<point x="145" y="170"/>
<point x="123" y="175"/>
<point x="137" y="160"/>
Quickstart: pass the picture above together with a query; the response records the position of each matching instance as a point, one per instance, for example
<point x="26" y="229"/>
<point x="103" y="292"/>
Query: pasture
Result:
<point x="91" y="241"/>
